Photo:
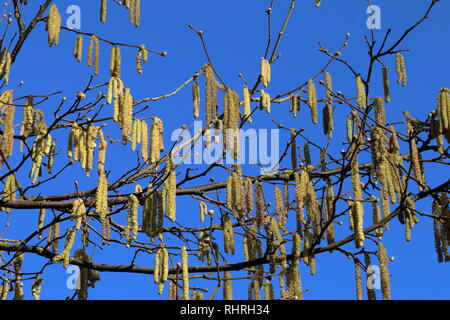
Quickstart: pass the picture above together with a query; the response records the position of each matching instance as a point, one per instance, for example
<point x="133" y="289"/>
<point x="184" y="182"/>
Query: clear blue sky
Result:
<point x="235" y="33"/>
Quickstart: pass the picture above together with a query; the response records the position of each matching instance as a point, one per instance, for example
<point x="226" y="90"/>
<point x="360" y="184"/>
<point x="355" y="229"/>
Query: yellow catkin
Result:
<point x="7" y="140"/>
<point x="185" y="273"/>
<point x="127" y="116"/>
<point x="18" y="284"/>
<point x="376" y="215"/>
<point x="265" y="72"/>
<point x="280" y="209"/>
<point x="156" y="142"/>
<point x="65" y="255"/>
<point x="101" y="153"/>
<point x="41" y="219"/>
<point x="384" y="272"/>
<point x="231" y="119"/>
<point x="361" y="92"/>
<point x="268" y="290"/>
<point x="170" y="189"/>
<point x="387" y="95"/>
<point x="203" y="210"/>
<point x="78" y="212"/>
<point x="358" y="282"/>
<point x="78" y="50"/>
<point x="312" y="100"/>
<point x="196" y="98"/>
<point x="133" y="224"/>
<point x="307" y="154"/>
<point x="5" y="71"/>
<point x="10" y="190"/>
<point x="329" y="85"/>
<point x="134" y="134"/>
<point x="414" y="152"/>
<point x="359" y="211"/>
<point x="52" y="237"/>
<point x="228" y="235"/>
<point x="53" y="25"/>
<point x="265" y="101"/>
<point x="103" y="11"/>
<point x="144" y="140"/>
<point x="294" y="104"/>
<point x="247" y="104"/>
<point x="259" y="203"/>
<point x="36" y="288"/>
<point x="101" y="198"/>
<point x="401" y="69"/>
<point x="227" y="286"/>
<point x="137" y="13"/>
<point x="229" y="192"/>
<point x="211" y="86"/>
<point x="157" y="271"/>
<point x="115" y="62"/>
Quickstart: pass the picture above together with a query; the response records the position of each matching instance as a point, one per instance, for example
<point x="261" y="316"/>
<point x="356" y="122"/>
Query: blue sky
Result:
<point x="235" y="34"/>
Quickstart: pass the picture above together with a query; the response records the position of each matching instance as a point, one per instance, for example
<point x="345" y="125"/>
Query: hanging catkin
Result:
<point x="211" y="86"/>
<point x="40" y="222"/>
<point x="358" y="207"/>
<point x="144" y="140"/>
<point x="170" y="189"/>
<point x="329" y="211"/>
<point x="7" y="139"/>
<point x="115" y="62"/>
<point x="52" y="237"/>
<point x="384" y="272"/>
<point x="228" y="235"/>
<point x="414" y="153"/>
<point x="133" y="224"/>
<point x="227" y="286"/>
<point x="361" y="92"/>
<point x="387" y="95"/>
<point x="358" y="282"/>
<point x="231" y="119"/>
<point x="101" y="198"/>
<point x="103" y="11"/>
<point x="53" y="25"/>
<point x="156" y="140"/>
<point x="265" y="101"/>
<point x="294" y="105"/>
<point x="259" y="203"/>
<point x="246" y="103"/>
<point x="185" y="273"/>
<point x="78" y="50"/>
<point x="36" y="288"/>
<point x="9" y="191"/>
<point x="78" y="212"/>
<point x="293" y="133"/>
<point x="280" y="209"/>
<point x="18" y="284"/>
<point x="400" y="69"/>
<point x="65" y="255"/>
<point x="443" y="113"/>
<point x="268" y="290"/>
<point x="141" y="56"/>
<point x="327" y="118"/>
<point x="196" y="98"/>
<point x="248" y="196"/>
<point x="312" y="100"/>
<point x="265" y="72"/>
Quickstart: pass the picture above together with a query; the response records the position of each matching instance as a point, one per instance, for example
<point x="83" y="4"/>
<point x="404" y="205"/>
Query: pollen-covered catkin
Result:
<point x="103" y="11"/>
<point x="41" y="219"/>
<point x="141" y="56"/>
<point x="78" y="212"/>
<point x="294" y="105"/>
<point x="227" y="286"/>
<point x="231" y="119"/>
<point x="248" y="196"/>
<point x="387" y="95"/>
<point x="415" y="161"/>
<point x="293" y="133"/>
<point x="53" y="25"/>
<point x="265" y="101"/>
<point x="65" y="255"/>
<point x="401" y="69"/>
<point x="156" y="140"/>
<point x="170" y="189"/>
<point x="18" y="284"/>
<point x="228" y="235"/>
<point x="101" y="198"/>
<point x="265" y="72"/>
<point x="7" y="140"/>
<point x="246" y="103"/>
<point x="185" y="273"/>
<point x="78" y="50"/>
<point x="361" y="92"/>
<point x="312" y="100"/>
<point x="358" y="207"/>
<point x="133" y="224"/>
<point x="196" y="98"/>
<point x="358" y="285"/>
<point x="144" y="140"/>
<point x="384" y="272"/>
